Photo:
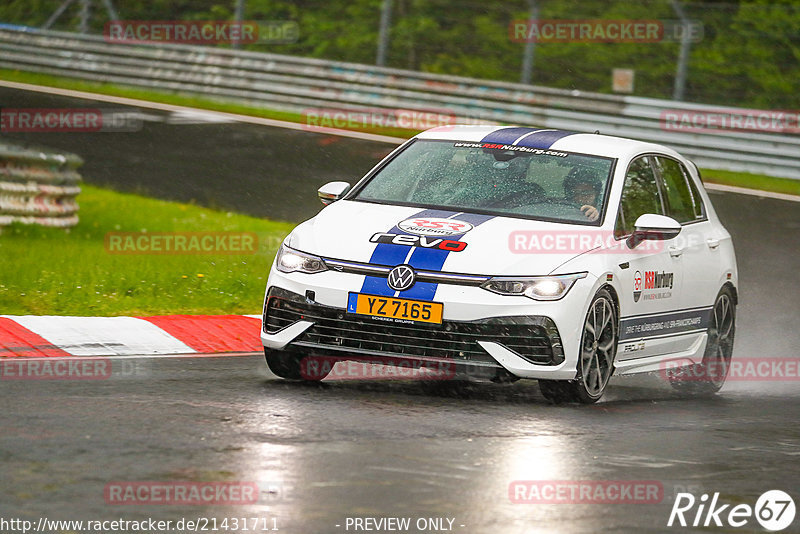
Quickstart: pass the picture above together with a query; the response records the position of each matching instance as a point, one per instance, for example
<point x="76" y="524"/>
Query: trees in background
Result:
<point x="749" y="54"/>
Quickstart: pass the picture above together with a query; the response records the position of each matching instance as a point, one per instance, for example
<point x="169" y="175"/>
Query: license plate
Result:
<point x="394" y="309"/>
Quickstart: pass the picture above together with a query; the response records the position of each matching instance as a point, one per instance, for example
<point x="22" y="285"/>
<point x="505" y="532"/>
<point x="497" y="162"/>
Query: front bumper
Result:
<point x="527" y="346"/>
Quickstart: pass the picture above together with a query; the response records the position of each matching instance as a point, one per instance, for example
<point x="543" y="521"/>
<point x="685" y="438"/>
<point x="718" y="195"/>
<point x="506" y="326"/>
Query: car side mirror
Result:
<point x="332" y="191"/>
<point x="653" y="227"/>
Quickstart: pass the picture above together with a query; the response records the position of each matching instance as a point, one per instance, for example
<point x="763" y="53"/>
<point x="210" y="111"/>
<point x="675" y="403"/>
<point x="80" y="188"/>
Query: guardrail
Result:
<point x="299" y="84"/>
<point x="38" y="187"/>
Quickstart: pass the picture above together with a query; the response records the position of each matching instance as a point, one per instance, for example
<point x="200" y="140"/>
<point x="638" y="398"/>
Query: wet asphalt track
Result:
<point x="339" y="450"/>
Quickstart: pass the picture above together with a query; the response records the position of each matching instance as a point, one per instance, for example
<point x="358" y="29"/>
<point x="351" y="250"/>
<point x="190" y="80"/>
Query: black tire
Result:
<point x="598" y="349"/>
<point x="287" y="364"/>
<point x="708" y="376"/>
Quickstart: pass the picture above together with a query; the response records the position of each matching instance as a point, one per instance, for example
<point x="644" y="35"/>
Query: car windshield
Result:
<point x="520" y="182"/>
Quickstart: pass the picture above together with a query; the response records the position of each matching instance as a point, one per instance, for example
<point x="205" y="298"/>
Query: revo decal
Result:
<point x="449" y="245"/>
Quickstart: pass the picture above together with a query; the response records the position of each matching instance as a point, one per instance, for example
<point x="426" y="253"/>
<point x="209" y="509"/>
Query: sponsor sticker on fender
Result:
<point x="431" y="226"/>
<point x="652" y="280"/>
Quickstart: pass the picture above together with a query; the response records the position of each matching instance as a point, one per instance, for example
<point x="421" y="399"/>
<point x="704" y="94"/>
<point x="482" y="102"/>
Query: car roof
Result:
<point x="547" y="138"/>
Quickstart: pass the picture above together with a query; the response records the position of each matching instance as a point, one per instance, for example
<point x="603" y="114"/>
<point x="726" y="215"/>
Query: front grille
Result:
<point x="533" y="338"/>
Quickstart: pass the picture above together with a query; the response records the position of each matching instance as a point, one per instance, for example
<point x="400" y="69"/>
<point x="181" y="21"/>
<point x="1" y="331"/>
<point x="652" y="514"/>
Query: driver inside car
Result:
<point x="582" y="187"/>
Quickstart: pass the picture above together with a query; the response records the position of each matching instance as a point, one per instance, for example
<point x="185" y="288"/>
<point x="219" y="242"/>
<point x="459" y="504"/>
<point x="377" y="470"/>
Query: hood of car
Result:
<point x="438" y="240"/>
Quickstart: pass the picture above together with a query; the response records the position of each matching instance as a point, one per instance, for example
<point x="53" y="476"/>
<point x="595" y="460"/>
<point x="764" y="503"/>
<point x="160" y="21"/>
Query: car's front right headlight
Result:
<point x="534" y="287"/>
<point x="290" y="260"/>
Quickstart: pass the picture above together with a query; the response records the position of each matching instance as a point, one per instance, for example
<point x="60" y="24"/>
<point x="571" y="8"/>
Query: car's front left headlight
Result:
<point x="290" y="260"/>
<point x="535" y="287"/>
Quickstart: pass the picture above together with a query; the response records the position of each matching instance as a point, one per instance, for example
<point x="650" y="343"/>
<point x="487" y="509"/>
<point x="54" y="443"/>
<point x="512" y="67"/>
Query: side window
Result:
<point x="683" y="201"/>
<point x="699" y="208"/>
<point x="640" y="195"/>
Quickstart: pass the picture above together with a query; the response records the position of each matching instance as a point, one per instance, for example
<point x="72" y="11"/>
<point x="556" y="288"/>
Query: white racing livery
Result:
<point x="507" y="252"/>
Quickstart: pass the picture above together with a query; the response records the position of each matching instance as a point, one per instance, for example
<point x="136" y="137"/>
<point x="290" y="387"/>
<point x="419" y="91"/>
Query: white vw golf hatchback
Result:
<point x="506" y="252"/>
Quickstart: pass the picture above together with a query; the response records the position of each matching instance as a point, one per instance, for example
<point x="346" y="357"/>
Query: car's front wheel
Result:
<point x="596" y="359"/>
<point x="288" y="364"/>
<point x="708" y="377"/>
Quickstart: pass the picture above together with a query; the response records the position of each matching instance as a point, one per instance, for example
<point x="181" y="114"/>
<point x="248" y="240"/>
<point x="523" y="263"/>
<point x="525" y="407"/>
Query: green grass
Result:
<point x="50" y="271"/>
<point x="752" y="181"/>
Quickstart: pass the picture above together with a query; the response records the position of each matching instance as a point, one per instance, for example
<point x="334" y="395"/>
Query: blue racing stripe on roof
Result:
<point x="543" y="138"/>
<point x="507" y="136"/>
<point x="527" y="137"/>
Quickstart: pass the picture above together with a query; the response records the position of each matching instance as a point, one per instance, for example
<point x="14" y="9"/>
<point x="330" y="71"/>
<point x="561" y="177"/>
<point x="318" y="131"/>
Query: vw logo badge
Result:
<point x="401" y="278"/>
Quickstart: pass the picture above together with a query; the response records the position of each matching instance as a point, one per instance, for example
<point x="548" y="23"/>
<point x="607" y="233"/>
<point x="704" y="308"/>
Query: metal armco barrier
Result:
<point x="38" y="187"/>
<point x="298" y="84"/>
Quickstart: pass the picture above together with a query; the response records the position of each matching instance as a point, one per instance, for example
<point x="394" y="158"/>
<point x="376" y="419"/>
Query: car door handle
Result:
<point x="675" y="252"/>
<point x="712" y="243"/>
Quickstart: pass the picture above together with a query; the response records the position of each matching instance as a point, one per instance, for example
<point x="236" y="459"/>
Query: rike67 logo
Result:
<point x="774" y="510"/>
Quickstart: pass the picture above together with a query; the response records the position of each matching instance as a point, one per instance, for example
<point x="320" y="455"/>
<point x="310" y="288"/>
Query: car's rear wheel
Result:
<point x="709" y="376"/>
<point x="596" y="359"/>
<point x="288" y="364"/>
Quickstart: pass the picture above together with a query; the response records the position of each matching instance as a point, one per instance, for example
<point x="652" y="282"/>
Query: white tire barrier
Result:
<point x="38" y="187"/>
